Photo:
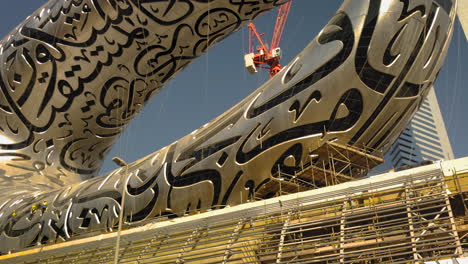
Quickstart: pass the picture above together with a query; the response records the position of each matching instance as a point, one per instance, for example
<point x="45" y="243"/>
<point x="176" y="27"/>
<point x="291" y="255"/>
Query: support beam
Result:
<point x="283" y="235"/>
<point x="189" y="245"/>
<point x="346" y="203"/>
<point x="232" y="240"/>
<point x="151" y="244"/>
<point x="409" y="213"/>
<point x="446" y="192"/>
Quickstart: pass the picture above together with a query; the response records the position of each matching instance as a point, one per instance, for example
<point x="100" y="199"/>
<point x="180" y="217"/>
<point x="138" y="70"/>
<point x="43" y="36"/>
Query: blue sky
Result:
<point x="218" y="80"/>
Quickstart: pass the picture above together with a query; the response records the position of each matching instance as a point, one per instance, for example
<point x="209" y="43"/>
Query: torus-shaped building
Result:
<point x="76" y="72"/>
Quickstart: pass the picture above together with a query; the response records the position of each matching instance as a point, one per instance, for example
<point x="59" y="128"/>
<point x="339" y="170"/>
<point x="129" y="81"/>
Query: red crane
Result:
<point x="267" y="58"/>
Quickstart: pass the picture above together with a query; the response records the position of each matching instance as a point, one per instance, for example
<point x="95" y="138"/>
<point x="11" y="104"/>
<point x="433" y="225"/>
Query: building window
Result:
<point x="418" y="138"/>
<point x="424" y="111"/>
<point x="429" y="119"/>
<point x="424" y="122"/>
<point x="426" y="131"/>
<point x="435" y="154"/>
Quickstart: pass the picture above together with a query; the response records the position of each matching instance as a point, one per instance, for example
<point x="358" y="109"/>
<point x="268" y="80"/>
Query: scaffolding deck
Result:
<point x="333" y="163"/>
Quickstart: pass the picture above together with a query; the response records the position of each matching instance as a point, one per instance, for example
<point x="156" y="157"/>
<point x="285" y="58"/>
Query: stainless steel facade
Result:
<point x="76" y="72"/>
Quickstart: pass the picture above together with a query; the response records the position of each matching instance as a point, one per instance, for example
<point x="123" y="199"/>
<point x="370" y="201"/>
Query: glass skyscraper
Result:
<point x="425" y="138"/>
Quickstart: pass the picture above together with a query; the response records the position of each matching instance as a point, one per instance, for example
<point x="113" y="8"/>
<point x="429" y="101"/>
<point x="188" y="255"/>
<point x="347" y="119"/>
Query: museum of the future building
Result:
<point x="76" y="72"/>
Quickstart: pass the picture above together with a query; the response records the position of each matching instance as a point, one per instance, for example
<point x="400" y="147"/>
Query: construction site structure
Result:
<point x="411" y="216"/>
<point x="330" y="164"/>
